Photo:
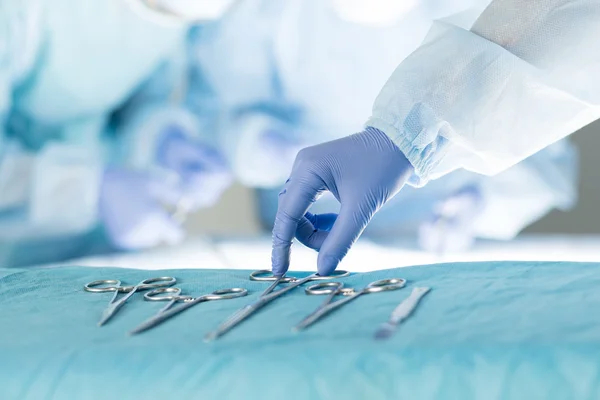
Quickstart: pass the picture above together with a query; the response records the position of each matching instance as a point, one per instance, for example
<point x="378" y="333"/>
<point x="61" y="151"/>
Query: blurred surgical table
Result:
<point x="365" y="256"/>
<point x="487" y="330"/>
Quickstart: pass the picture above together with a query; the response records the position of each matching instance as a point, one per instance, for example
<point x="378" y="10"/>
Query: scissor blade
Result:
<point x="162" y="317"/>
<point x="149" y="324"/>
<point x="323" y="310"/>
<point x="280" y="292"/>
<point x="237" y="318"/>
<point x="272" y="287"/>
<point x="108" y="313"/>
<point x="114" y="306"/>
<point x="311" y="319"/>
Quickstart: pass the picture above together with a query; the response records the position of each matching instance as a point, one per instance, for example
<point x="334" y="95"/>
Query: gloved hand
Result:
<point x="451" y="227"/>
<point x="363" y="171"/>
<point x="203" y="174"/>
<point x="132" y="216"/>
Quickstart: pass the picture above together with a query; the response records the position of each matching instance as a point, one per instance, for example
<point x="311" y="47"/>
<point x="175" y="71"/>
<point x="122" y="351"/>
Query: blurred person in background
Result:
<point x="97" y="148"/>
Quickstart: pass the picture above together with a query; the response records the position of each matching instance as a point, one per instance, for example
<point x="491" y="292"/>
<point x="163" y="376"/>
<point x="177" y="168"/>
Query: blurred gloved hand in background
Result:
<point x="132" y="215"/>
<point x="201" y="171"/>
<point x="363" y="171"/>
<point x="132" y="203"/>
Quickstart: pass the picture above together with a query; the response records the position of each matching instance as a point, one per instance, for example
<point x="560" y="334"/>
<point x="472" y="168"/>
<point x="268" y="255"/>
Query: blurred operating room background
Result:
<point x="584" y="217"/>
<point x="111" y="151"/>
<point x="235" y="213"/>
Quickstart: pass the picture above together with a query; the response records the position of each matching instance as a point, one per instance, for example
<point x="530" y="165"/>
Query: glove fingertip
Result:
<point x="279" y="263"/>
<point x="327" y="264"/>
<point x="278" y="270"/>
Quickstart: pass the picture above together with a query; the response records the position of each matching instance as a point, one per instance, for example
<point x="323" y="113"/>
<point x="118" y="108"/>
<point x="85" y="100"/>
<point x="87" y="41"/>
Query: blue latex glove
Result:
<point x="132" y="216"/>
<point x="363" y="171"/>
<point x="451" y="228"/>
<point x="202" y="171"/>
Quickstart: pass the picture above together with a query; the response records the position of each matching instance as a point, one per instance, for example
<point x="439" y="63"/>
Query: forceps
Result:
<point x="337" y="288"/>
<point x="173" y="295"/>
<point x="115" y="286"/>
<point x="266" y="297"/>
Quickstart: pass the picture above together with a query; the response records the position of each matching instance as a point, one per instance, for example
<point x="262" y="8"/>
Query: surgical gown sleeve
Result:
<point x="524" y="76"/>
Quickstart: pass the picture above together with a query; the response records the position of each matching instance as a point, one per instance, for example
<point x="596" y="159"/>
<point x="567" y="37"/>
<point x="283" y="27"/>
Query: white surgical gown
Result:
<point x="524" y="76"/>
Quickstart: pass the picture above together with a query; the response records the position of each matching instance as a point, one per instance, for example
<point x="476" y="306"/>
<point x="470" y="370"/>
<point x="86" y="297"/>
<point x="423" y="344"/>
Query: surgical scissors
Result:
<point x="114" y="305"/>
<point x="173" y="295"/>
<point x="337" y="288"/>
<point x="266" y="297"/>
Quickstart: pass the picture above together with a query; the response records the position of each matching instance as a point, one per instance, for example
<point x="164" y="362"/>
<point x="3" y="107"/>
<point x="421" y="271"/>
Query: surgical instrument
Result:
<point x="266" y="297"/>
<point x="173" y="295"/>
<point x="337" y="288"/>
<point x="115" y="286"/>
<point x="263" y="275"/>
<point x="401" y="312"/>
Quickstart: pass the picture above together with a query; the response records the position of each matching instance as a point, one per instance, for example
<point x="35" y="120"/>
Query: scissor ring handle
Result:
<point x="159" y="294"/>
<point x="265" y="275"/>
<point x="335" y="274"/>
<point x="224" y="294"/>
<point x="93" y="287"/>
<point x="384" y="285"/>
<point x="159" y="282"/>
<point x="324" y="288"/>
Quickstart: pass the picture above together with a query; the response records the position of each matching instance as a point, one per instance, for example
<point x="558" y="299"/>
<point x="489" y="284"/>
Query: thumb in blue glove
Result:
<point x="363" y="171"/>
